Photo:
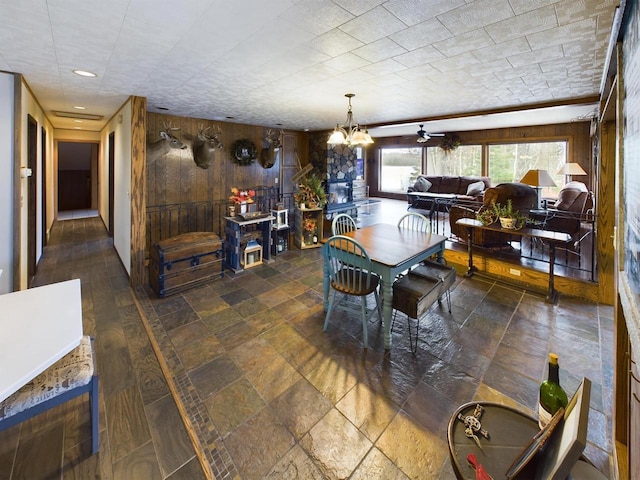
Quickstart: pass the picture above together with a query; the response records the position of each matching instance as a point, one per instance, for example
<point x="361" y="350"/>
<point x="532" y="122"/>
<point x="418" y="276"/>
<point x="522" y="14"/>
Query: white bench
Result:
<point x="71" y="376"/>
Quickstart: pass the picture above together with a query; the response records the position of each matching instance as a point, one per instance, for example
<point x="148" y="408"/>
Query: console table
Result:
<point x="553" y="239"/>
<point x="39" y="326"/>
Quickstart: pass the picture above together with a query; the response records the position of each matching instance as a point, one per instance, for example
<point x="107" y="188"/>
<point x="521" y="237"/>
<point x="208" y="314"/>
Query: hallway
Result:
<point x="268" y="392"/>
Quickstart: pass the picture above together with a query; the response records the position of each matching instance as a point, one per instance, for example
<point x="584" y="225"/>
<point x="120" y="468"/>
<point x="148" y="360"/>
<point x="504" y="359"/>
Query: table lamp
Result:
<point x="538" y="179"/>
<point x="570" y="169"/>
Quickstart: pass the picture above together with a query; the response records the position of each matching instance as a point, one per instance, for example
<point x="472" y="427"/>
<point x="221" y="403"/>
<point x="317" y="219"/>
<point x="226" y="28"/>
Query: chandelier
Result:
<point x="350" y="132"/>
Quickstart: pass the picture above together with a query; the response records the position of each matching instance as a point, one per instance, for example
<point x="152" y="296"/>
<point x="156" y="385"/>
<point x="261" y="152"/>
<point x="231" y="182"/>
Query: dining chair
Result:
<point x="343" y="223"/>
<point x="415" y="221"/>
<point x="349" y="268"/>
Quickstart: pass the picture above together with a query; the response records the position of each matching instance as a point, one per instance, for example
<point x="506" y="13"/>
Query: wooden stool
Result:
<point x="71" y="376"/>
<point x="413" y="295"/>
<point x="440" y="273"/>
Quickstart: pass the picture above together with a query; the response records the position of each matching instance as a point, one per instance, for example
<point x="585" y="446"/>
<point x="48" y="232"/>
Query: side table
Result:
<point x="509" y="432"/>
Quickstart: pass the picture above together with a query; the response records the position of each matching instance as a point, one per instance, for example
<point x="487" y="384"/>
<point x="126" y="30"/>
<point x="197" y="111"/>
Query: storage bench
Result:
<point x="185" y="261"/>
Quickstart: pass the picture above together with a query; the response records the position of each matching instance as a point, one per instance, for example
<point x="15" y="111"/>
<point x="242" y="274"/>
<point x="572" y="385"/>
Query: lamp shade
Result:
<point x="571" y="169"/>
<point x="538" y="178"/>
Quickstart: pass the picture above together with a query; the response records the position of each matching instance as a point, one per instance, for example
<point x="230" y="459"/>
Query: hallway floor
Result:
<point x="270" y="395"/>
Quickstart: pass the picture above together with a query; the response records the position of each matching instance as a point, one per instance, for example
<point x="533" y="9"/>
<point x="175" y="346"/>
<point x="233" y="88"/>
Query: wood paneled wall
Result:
<point x="576" y="133"/>
<point x="138" y="196"/>
<point x="175" y="177"/>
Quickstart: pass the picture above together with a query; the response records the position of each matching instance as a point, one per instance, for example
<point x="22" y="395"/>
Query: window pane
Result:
<point x="509" y="162"/>
<point x="399" y="168"/>
<point x="464" y="160"/>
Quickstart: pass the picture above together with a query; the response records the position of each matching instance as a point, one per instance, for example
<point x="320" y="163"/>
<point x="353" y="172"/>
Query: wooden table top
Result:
<point x="525" y="232"/>
<point x="391" y="246"/>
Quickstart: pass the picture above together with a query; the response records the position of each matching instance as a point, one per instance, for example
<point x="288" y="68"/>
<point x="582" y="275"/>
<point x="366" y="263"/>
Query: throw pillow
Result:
<point x="476" y="188"/>
<point x="422" y="185"/>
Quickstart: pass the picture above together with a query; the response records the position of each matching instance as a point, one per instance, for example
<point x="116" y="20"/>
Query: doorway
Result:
<point x="32" y="165"/>
<point x="77" y="180"/>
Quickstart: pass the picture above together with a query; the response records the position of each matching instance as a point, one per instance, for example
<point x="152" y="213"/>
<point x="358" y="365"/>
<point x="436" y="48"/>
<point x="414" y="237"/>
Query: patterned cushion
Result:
<point x="422" y="185"/>
<point x="73" y="370"/>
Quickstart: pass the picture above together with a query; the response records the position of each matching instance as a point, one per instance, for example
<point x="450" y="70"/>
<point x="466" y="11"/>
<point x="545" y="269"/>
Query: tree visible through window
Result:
<point x="464" y="160"/>
<point x="399" y="168"/>
<point x="509" y="162"/>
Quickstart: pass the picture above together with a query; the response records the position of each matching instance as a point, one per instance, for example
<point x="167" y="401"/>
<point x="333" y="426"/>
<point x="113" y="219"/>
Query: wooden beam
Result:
<point x="138" y="189"/>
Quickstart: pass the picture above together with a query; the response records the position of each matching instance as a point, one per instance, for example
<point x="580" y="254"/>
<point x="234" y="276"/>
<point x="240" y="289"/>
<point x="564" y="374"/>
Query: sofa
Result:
<point x="524" y="198"/>
<point x="427" y="190"/>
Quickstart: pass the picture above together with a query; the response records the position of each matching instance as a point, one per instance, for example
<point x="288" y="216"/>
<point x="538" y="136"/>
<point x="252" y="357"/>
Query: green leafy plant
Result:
<point x="311" y="190"/>
<point x="450" y="142"/>
<point x="499" y="211"/>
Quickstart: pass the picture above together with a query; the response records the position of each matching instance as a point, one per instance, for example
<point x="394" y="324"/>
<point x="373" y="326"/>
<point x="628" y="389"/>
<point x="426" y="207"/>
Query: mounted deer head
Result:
<point x="205" y="145"/>
<point x="269" y="154"/>
<point x="167" y="141"/>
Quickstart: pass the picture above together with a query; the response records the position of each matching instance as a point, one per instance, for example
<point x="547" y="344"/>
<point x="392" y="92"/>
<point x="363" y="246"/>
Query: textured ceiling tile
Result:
<point x="531" y="22"/>
<point x="422" y="34"/>
<point x="570" y="11"/>
<point x="524" y="6"/>
<point x="358" y="7"/>
<point x="412" y="12"/>
<point x="418" y="72"/>
<point x="316" y="16"/>
<point x="335" y="42"/>
<point x="476" y="15"/>
<point x="536" y="56"/>
<point x="459" y="62"/>
<point x="373" y="25"/>
<point x="582" y="30"/>
<point x="384" y="68"/>
<point x="464" y="43"/>
<point x="419" y="57"/>
<point x="490" y="67"/>
<point x="347" y="62"/>
<point x="503" y="50"/>
<point x="379" y="50"/>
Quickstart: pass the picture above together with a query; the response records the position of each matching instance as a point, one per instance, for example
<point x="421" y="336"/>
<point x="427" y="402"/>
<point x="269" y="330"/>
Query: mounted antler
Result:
<point x="204" y="147"/>
<point x="167" y="141"/>
<point x="269" y="154"/>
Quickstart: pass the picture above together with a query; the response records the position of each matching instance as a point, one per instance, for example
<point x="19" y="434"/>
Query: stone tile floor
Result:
<point x="277" y="395"/>
<point x="270" y="395"/>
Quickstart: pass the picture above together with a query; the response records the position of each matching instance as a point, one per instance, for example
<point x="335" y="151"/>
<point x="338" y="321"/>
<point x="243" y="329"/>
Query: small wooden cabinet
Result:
<point x="308" y="227"/>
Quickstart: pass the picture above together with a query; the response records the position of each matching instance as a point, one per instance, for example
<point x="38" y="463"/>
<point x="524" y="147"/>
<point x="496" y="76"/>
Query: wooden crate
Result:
<point x="185" y="261"/>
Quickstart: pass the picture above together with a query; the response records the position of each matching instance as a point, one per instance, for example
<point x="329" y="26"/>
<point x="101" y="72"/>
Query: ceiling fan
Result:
<point x="423" y="136"/>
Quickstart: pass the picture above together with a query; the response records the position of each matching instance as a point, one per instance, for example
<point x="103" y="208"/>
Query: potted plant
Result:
<point x="508" y="216"/>
<point x="311" y="192"/>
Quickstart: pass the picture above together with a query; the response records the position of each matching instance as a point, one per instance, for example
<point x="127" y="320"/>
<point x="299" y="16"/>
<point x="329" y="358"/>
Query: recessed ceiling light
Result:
<point x="78" y="128"/>
<point x="163" y="108"/>
<point x="78" y="121"/>
<point x="230" y="118"/>
<point x="80" y="107"/>
<point x="84" y="73"/>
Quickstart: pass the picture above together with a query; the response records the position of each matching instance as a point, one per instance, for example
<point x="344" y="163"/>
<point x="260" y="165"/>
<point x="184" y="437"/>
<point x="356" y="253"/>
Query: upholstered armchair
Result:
<point x="566" y="213"/>
<point x="523" y="198"/>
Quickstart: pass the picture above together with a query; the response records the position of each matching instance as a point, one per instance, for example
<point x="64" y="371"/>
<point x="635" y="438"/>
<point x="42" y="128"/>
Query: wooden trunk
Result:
<point x="185" y="261"/>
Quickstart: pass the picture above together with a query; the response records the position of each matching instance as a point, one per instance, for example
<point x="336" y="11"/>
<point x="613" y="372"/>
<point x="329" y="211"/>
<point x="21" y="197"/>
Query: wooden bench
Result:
<point x="71" y="376"/>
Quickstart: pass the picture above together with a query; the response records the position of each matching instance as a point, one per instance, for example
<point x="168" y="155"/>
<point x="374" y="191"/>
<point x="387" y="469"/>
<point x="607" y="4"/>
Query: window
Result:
<point x="509" y="162"/>
<point x="399" y="168"/>
<point x="464" y="160"/>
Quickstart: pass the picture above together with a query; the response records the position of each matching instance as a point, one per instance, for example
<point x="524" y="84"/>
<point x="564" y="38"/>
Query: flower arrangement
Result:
<point x="241" y="196"/>
<point x="309" y="224"/>
<point x="311" y="191"/>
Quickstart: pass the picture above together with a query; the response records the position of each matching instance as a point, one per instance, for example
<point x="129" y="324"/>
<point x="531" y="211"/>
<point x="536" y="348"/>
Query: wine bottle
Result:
<point x="552" y="395"/>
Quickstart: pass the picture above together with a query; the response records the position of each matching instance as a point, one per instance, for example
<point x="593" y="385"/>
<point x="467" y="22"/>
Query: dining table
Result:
<point x="393" y="250"/>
